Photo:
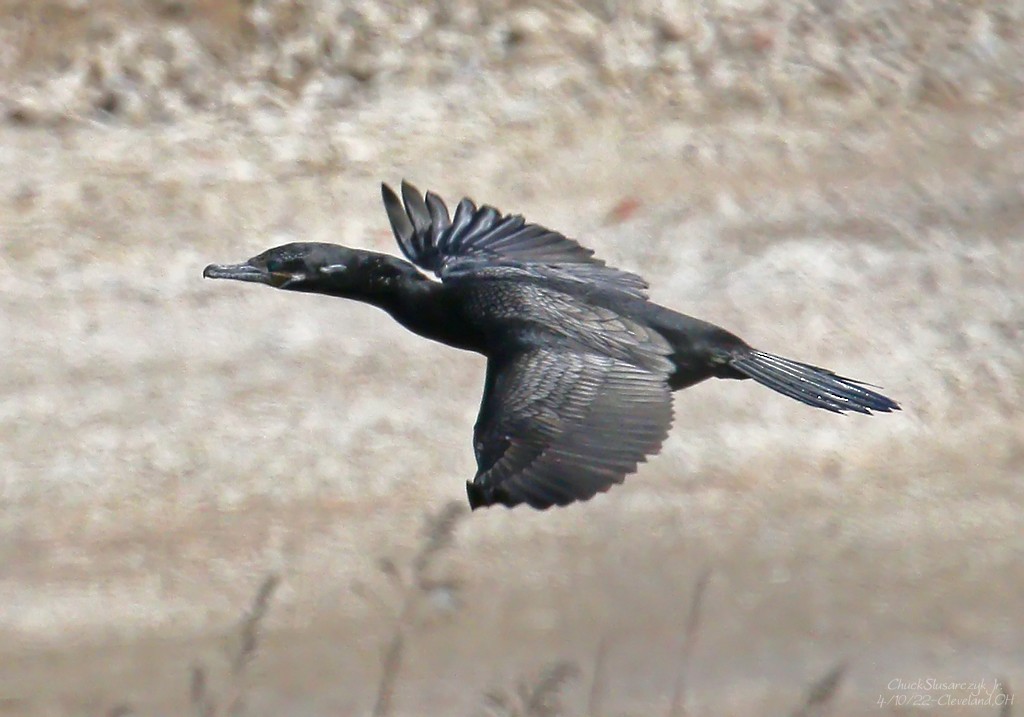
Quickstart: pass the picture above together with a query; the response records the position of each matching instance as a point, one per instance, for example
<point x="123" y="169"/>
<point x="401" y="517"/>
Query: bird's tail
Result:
<point x="812" y="385"/>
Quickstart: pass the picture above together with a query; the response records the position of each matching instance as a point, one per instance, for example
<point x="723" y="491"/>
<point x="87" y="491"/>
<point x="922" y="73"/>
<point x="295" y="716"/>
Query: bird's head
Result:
<point x="318" y="268"/>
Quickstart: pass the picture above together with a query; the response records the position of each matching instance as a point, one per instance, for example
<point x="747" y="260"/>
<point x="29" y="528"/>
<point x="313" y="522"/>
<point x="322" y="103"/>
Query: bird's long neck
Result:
<point x="423" y="306"/>
<point x="431" y="310"/>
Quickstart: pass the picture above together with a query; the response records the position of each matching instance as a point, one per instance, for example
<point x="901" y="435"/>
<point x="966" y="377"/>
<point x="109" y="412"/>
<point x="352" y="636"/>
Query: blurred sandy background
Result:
<point x="841" y="182"/>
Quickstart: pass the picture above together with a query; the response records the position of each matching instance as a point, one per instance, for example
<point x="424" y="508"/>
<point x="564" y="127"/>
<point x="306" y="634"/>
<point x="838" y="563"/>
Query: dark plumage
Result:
<point x="580" y="364"/>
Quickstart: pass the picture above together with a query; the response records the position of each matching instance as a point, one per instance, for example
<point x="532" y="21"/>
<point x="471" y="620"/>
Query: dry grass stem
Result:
<point x="232" y="702"/>
<point x="540" y="698"/>
<point x="199" y="695"/>
<point x="693" y="617"/>
<point x="250" y="627"/>
<point x="821" y="693"/>
<point x="598" y="679"/>
<point x="413" y="586"/>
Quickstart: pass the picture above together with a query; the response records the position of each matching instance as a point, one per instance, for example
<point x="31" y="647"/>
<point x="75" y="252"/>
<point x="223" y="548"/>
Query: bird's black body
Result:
<point x="581" y="365"/>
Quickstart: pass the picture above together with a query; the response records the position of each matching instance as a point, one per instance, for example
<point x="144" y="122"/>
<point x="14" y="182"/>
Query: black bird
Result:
<point x="580" y="364"/>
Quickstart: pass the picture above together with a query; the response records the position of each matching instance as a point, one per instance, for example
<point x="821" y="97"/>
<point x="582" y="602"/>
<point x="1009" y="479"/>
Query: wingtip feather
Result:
<point x="416" y="208"/>
<point x="401" y="225"/>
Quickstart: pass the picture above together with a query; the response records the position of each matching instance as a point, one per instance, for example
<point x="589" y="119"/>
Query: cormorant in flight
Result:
<point x="580" y="364"/>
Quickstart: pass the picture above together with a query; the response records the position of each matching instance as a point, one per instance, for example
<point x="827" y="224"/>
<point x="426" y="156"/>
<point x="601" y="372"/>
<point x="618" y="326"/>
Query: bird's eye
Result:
<point x="275" y="266"/>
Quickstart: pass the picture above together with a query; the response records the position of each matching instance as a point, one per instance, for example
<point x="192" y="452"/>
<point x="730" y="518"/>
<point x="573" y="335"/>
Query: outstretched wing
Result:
<point x="558" y="426"/>
<point x="480" y="240"/>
